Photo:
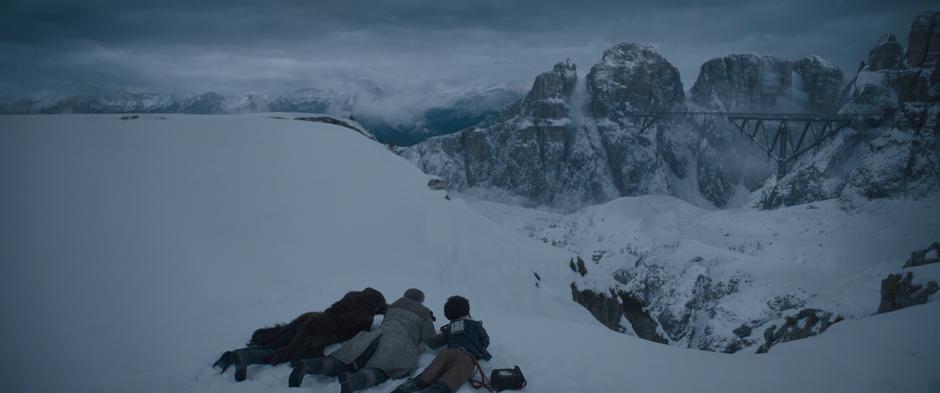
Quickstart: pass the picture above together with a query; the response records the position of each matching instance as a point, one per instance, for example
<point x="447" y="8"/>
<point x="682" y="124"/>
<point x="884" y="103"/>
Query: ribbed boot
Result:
<point x="225" y="361"/>
<point x="302" y="367"/>
<point x="250" y="356"/>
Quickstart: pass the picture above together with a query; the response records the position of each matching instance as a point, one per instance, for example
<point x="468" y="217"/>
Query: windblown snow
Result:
<point x="135" y="252"/>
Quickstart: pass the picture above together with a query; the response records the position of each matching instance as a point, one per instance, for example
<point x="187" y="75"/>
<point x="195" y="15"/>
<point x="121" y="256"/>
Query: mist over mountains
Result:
<point x="573" y="141"/>
<point x="394" y="118"/>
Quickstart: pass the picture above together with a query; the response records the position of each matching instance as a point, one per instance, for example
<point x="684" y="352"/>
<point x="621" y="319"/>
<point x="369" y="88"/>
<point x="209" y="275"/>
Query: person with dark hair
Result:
<point x="370" y="358"/>
<point x="466" y="341"/>
<point x="308" y="334"/>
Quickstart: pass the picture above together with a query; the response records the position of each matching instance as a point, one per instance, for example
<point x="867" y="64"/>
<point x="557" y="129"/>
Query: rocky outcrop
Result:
<point x="633" y="77"/>
<point x="891" y="154"/>
<point x="888" y="82"/>
<point x="569" y="142"/>
<point x="686" y="305"/>
<point x="821" y="81"/>
<point x="436" y="184"/>
<point x="604" y="307"/>
<point x="897" y="163"/>
<point x="807" y="323"/>
<point x="901" y="157"/>
<point x="804" y="185"/>
<point x="548" y="98"/>
<point x="693" y="308"/>
<point x="572" y="143"/>
<point x="759" y="83"/>
<point x="898" y="292"/>
<point x="886" y="55"/>
<point x="345" y="123"/>
<point x="923" y="48"/>
<point x="924" y="257"/>
<point x="610" y="309"/>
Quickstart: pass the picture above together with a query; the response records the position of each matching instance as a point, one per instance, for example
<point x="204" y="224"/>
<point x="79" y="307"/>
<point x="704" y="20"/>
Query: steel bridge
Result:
<point x="783" y="136"/>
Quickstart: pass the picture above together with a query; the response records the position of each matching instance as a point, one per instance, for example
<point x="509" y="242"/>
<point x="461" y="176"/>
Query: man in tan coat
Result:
<point x="370" y="358"/>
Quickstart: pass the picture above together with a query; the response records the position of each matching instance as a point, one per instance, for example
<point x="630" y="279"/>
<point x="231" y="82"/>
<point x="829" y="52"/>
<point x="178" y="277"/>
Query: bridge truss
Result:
<point x="783" y="136"/>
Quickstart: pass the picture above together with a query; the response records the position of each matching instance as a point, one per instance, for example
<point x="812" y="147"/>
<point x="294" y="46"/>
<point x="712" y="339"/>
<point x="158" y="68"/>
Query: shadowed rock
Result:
<point x="924" y="257"/>
<point x="897" y="292"/>
<point x="807" y="323"/>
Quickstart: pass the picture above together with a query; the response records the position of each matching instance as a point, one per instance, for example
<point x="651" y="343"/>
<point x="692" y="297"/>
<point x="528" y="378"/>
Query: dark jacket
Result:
<point x="307" y="335"/>
<point x="466" y="335"/>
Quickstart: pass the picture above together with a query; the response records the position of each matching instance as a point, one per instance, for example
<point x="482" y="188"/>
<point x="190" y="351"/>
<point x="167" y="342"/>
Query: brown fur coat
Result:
<point x="307" y="335"/>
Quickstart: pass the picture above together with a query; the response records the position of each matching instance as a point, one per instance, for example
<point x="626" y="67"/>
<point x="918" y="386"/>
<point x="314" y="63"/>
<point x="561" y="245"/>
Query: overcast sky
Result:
<point x="239" y="46"/>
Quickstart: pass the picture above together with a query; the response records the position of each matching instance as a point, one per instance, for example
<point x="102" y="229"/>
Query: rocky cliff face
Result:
<point x="570" y="141"/>
<point x="758" y="83"/>
<point x="923" y="48"/>
<point x="898" y="156"/>
<point x="633" y="77"/>
<point x="573" y="141"/>
<point x="755" y="84"/>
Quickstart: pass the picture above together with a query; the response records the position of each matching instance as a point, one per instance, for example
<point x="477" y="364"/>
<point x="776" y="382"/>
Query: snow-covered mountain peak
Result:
<point x="633" y="77"/>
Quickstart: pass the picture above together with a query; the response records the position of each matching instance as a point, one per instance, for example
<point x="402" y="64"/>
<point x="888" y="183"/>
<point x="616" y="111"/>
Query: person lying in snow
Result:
<point x="466" y="341"/>
<point x="307" y="335"/>
<point x="370" y="358"/>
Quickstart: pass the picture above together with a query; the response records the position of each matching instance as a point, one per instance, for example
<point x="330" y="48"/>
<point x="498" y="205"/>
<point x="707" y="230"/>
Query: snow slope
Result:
<point x="134" y="252"/>
<point x="757" y="266"/>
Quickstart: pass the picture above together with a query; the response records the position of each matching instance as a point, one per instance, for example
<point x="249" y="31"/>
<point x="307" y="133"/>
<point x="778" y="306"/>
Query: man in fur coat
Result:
<point x="370" y="358"/>
<point x="307" y="335"/>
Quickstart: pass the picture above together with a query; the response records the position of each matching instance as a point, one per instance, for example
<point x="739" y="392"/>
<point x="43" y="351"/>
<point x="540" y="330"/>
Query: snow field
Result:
<point x="135" y="252"/>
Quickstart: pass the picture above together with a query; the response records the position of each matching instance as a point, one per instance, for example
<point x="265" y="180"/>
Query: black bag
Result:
<point x="507" y="379"/>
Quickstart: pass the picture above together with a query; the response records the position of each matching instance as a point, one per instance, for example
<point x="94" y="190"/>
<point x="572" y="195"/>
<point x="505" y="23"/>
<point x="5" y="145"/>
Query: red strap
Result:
<point x="483" y="382"/>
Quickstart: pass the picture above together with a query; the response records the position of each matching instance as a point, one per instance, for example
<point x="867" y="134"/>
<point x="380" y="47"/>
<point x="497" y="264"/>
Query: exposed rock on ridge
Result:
<point x="568" y="143"/>
<point x="633" y="77"/>
<point x="759" y="83"/>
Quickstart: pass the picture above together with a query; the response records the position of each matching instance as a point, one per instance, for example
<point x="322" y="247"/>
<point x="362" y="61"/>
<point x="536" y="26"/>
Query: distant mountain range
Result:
<point x="571" y="142"/>
<point x="363" y="100"/>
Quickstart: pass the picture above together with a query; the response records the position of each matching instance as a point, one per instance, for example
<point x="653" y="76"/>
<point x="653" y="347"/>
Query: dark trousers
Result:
<point x="453" y="367"/>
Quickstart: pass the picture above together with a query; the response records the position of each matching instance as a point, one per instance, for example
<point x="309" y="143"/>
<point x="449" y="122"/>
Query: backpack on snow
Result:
<point x="500" y="379"/>
<point x="507" y="379"/>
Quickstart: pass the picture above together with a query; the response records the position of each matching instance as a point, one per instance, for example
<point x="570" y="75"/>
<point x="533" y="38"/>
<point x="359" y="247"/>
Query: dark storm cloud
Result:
<point x="237" y="46"/>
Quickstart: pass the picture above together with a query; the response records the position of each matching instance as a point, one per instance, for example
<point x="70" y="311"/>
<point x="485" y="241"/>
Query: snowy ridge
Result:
<point x="147" y="247"/>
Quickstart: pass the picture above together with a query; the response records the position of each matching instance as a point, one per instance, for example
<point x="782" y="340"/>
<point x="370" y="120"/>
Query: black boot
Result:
<point x="303" y="367"/>
<point x="225" y="361"/>
<point x="249" y="356"/>
<point x="439" y="387"/>
<point x="360" y="380"/>
<point x="411" y="385"/>
<point x="343" y="378"/>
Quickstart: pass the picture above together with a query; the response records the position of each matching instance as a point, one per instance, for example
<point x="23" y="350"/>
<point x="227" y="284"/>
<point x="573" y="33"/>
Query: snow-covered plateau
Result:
<point x="135" y="251"/>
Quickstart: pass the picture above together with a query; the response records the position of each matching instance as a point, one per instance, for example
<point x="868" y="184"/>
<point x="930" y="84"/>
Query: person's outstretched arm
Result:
<point x="429" y="337"/>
